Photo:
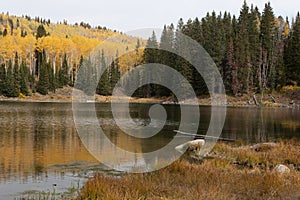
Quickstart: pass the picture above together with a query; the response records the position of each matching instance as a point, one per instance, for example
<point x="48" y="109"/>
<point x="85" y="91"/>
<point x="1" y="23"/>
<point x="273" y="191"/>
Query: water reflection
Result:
<point x="38" y="140"/>
<point x="35" y="136"/>
<point x="262" y="124"/>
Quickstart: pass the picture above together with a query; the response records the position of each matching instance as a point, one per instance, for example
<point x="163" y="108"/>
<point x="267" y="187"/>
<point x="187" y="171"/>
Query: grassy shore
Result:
<point x="230" y="172"/>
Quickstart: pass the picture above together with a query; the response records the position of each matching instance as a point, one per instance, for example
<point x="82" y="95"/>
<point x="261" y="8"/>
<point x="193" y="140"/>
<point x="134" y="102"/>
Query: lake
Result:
<point x="40" y="149"/>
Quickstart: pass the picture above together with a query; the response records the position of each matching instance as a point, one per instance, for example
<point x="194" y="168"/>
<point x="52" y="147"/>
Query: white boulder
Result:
<point x="193" y="146"/>
<point x="281" y="169"/>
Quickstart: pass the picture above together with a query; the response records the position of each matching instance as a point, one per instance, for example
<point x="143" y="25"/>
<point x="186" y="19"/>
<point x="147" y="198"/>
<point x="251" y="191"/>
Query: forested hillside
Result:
<point x="255" y="52"/>
<point x="39" y="56"/>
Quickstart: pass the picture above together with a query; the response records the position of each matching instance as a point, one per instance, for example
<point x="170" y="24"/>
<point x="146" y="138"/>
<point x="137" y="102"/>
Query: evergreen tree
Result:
<point x="43" y="82"/>
<point x="16" y="73"/>
<point x="81" y="75"/>
<point x="150" y="56"/>
<point x="243" y="52"/>
<point x="228" y="63"/>
<point x="63" y="76"/>
<point x="279" y="73"/>
<point x="115" y="73"/>
<point x="10" y="87"/>
<point x="235" y="85"/>
<point x="166" y="57"/>
<point x="104" y="87"/>
<point x="31" y="79"/>
<point x="182" y="48"/>
<point x="2" y="79"/>
<point x="85" y="77"/>
<point x="137" y="46"/>
<point x="267" y="43"/>
<point x="41" y="32"/>
<point x="4" y="32"/>
<point x="292" y="52"/>
<point x="254" y="48"/>
<point x="24" y="74"/>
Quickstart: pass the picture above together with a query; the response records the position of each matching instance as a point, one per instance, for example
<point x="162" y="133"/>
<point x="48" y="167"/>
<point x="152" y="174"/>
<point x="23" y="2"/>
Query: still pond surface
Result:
<point x="40" y="149"/>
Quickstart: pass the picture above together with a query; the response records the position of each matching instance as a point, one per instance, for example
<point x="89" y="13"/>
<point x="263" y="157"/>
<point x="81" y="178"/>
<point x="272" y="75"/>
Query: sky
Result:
<point x="128" y="15"/>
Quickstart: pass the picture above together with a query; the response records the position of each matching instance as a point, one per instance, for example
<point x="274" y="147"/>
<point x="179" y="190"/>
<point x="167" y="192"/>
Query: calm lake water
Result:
<point x="40" y="149"/>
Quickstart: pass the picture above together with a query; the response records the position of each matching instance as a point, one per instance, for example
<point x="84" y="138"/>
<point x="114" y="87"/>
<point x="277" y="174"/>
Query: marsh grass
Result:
<point x="231" y="173"/>
<point x="71" y="194"/>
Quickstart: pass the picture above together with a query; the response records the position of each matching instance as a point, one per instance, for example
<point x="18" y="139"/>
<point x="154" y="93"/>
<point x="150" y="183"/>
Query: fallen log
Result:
<point x="198" y="136"/>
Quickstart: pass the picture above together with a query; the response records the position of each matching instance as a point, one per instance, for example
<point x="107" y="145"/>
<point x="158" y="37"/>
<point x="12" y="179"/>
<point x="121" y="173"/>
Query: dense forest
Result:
<point x="255" y="52"/>
<point x="39" y="56"/>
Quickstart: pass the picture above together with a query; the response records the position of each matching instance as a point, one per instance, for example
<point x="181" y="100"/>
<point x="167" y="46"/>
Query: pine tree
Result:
<point x="194" y="30"/>
<point x="137" y="46"/>
<point x="150" y="56"/>
<point x="230" y="71"/>
<point x="43" y="82"/>
<point x="41" y="32"/>
<point x="104" y="87"/>
<point x="279" y="70"/>
<point x="115" y="73"/>
<point x="165" y="57"/>
<point x="63" y="76"/>
<point x="4" y="32"/>
<point x="10" y="88"/>
<point x="254" y="47"/>
<point x="32" y="83"/>
<point x="84" y="74"/>
<point x="81" y="75"/>
<point x="243" y="52"/>
<point x="292" y="52"/>
<point x="235" y="84"/>
<point x="228" y="63"/>
<point x="2" y="79"/>
<point x="16" y="73"/>
<point x="24" y="74"/>
<point x="267" y="42"/>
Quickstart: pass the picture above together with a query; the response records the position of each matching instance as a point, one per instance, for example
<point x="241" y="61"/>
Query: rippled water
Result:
<point x="41" y="151"/>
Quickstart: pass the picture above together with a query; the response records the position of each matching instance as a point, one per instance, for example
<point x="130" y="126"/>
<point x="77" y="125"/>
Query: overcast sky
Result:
<point x="126" y="15"/>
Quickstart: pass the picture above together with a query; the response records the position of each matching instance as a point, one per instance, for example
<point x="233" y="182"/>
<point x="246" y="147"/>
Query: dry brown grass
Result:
<point x="221" y="177"/>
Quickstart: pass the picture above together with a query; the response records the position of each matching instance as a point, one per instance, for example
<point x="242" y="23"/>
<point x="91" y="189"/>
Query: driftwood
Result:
<point x="273" y="99"/>
<point x="255" y="100"/>
<point x="197" y="136"/>
<point x="266" y="146"/>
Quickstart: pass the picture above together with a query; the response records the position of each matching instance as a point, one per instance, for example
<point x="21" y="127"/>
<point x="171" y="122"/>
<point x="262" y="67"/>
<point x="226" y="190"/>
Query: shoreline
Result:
<point x="103" y="99"/>
<point x="64" y="95"/>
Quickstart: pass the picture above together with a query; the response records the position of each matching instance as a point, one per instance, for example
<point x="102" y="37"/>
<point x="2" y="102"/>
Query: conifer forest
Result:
<point x="254" y="52"/>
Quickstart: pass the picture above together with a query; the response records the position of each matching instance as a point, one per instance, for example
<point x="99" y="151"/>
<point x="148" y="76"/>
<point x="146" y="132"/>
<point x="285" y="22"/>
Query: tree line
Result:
<point x="254" y="52"/>
<point x="37" y="56"/>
